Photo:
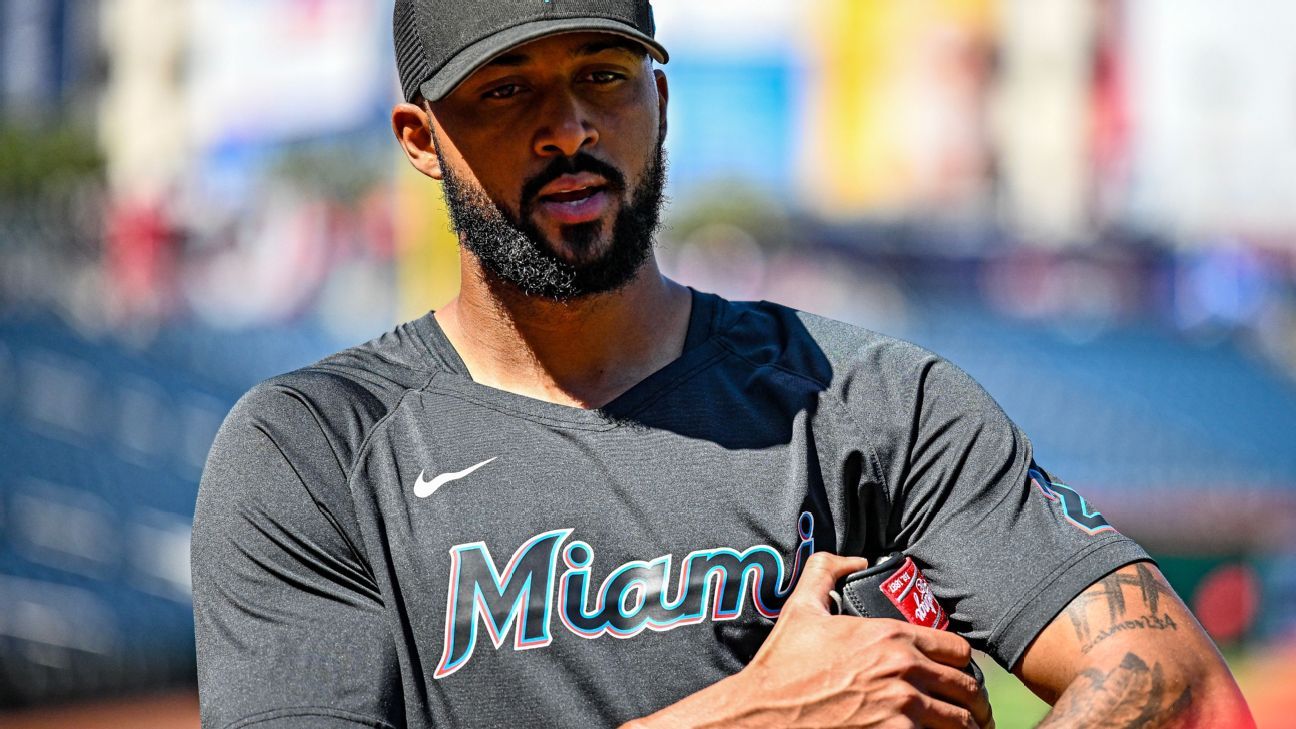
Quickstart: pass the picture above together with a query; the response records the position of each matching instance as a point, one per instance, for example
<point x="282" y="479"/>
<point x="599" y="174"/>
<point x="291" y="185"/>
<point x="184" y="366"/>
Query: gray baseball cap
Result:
<point x="439" y="43"/>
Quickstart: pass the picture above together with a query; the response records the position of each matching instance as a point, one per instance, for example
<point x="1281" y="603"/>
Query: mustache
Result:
<point x="580" y="162"/>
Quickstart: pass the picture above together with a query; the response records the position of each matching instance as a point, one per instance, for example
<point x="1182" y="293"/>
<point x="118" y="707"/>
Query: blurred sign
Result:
<point x="28" y="49"/>
<point x="734" y="80"/>
<point x="729" y="28"/>
<point x="1042" y="101"/>
<point x="47" y="51"/>
<point x="1213" y="101"/>
<point x="283" y="69"/>
<point x="896" y="107"/>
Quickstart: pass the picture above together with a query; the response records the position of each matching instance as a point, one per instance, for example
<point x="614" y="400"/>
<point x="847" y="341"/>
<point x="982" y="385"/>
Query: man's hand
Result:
<point x="817" y="669"/>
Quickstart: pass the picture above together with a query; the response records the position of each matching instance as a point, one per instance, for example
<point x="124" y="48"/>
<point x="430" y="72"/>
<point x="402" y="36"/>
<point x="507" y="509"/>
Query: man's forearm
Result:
<point x="1147" y="692"/>
<point x="1131" y="694"/>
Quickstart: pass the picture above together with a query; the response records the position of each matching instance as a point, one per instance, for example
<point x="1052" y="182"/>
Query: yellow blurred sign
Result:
<point x="887" y="95"/>
<point x="427" y="249"/>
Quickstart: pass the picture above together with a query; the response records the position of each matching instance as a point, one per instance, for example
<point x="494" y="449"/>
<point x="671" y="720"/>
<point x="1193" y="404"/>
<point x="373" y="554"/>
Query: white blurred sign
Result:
<point x="729" y="28"/>
<point x="1213" y="99"/>
<point x="272" y="69"/>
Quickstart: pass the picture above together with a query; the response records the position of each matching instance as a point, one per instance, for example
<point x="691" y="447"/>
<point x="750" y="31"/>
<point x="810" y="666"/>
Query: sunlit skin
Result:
<point x="556" y="96"/>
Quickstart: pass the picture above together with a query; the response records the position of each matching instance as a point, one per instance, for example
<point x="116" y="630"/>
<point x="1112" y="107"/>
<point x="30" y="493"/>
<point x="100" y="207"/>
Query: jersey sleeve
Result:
<point x="1005" y="546"/>
<point x="288" y="617"/>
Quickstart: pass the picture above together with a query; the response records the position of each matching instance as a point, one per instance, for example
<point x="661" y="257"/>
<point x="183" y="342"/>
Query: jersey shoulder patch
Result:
<point x="1074" y="507"/>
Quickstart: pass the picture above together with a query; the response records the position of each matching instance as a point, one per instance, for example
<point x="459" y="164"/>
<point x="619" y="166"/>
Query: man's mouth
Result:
<point x="573" y="196"/>
<point x="574" y="199"/>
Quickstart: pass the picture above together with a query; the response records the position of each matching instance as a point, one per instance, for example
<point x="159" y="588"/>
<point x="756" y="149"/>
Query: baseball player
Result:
<point x="582" y="494"/>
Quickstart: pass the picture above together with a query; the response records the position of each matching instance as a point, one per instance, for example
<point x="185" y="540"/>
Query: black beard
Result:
<point x="515" y="252"/>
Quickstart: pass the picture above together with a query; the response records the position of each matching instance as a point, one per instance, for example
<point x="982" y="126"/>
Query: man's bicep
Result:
<point x="289" y="622"/>
<point x="1128" y="647"/>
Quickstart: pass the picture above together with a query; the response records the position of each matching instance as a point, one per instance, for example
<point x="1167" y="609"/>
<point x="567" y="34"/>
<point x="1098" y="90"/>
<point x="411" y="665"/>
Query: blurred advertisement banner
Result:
<point x="897" y="107"/>
<point x="1041" y="115"/>
<point x="754" y="71"/>
<point x="268" y="69"/>
<point x="1212" y="96"/>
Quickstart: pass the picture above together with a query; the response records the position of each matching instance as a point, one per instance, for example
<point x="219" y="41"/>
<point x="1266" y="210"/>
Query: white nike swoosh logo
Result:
<point x="424" y="489"/>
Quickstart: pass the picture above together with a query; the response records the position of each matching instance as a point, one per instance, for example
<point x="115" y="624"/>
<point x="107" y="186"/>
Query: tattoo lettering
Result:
<point x="1147" y="622"/>
<point x="1111" y="589"/>
<point x="1129" y="696"/>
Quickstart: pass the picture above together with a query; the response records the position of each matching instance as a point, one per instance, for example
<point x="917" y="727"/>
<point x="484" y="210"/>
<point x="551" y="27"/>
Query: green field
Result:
<point x="1015" y="707"/>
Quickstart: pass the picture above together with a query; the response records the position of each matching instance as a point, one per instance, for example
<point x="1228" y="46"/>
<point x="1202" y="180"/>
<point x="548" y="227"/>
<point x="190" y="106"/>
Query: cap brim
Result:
<point x="464" y="63"/>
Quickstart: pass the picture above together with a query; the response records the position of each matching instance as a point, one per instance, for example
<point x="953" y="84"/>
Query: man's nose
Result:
<point x="566" y="128"/>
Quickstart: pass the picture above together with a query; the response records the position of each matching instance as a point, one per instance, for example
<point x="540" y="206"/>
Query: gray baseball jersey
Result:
<point x="382" y="542"/>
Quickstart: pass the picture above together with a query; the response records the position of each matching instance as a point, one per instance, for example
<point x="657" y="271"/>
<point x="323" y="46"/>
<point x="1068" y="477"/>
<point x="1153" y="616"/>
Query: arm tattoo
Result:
<point x="1111" y="589"/>
<point x="1129" y="696"/>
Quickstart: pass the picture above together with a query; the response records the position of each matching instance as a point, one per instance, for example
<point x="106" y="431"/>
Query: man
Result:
<point x="582" y="494"/>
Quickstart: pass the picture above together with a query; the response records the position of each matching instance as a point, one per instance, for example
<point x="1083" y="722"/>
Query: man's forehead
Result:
<point x="571" y="45"/>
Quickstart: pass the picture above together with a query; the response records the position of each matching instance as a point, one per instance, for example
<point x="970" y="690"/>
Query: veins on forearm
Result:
<point x="1129" y="696"/>
<point x="1140" y="613"/>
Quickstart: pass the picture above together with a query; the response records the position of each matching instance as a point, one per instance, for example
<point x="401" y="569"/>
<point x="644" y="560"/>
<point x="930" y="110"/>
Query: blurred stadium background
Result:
<point x="1088" y="204"/>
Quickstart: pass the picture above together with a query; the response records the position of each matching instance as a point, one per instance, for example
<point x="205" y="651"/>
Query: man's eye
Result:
<point x="605" y="77"/>
<point x="502" y="92"/>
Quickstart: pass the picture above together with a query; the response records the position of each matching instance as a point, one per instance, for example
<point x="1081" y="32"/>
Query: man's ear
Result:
<point x="413" y="129"/>
<point x="663" y="95"/>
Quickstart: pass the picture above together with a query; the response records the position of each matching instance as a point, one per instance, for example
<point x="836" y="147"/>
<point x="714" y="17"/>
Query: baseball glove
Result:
<point x="895" y="588"/>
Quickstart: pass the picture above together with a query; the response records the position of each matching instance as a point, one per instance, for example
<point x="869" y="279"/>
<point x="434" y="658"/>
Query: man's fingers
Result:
<point x="928" y="711"/>
<point x="956" y="687"/>
<point x="820" y="574"/>
<point x="942" y="646"/>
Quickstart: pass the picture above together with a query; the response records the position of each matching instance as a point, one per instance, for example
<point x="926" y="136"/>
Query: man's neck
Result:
<point x="582" y="353"/>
